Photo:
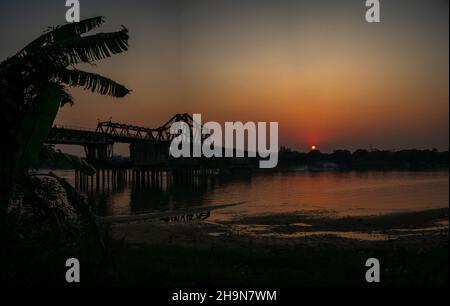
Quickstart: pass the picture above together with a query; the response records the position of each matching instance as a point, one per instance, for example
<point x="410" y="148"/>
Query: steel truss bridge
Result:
<point x="149" y="147"/>
<point x="108" y="132"/>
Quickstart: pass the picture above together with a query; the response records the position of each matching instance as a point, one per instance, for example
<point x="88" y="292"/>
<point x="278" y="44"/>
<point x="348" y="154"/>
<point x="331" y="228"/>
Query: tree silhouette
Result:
<point x="33" y="86"/>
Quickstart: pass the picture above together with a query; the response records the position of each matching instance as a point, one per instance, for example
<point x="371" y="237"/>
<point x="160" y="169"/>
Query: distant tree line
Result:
<point x="361" y="159"/>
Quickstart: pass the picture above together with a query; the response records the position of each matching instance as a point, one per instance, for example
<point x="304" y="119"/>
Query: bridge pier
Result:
<point x="104" y="179"/>
<point x="112" y="179"/>
<point x="98" y="151"/>
<point x="142" y="178"/>
<point x="150" y="162"/>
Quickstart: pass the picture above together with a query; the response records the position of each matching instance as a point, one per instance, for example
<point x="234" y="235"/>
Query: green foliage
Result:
<point x="45" y="219"/>
<point x="32" y="88"/>
<point x="36" y="125"/>
<point x="47" y="222"/>
<point x="93" y="82"/>
<point x="49" y="153"/>
<point x="70" y="30"/>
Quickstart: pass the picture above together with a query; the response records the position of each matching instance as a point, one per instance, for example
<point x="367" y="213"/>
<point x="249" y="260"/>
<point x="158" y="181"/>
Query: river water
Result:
<point x="348" y="193"/>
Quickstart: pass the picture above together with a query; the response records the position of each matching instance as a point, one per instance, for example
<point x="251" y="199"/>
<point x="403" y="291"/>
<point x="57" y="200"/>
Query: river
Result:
<point x="342" y="193"/>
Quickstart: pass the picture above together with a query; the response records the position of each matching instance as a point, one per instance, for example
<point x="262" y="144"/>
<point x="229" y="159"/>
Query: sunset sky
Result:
<point x="329" y="78"/>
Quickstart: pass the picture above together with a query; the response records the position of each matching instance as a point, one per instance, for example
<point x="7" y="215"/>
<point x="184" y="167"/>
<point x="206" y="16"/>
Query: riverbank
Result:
<point x="285" y="250"/>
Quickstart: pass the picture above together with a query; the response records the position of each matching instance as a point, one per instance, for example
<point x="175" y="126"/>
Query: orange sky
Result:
<point x="316" y="67"/>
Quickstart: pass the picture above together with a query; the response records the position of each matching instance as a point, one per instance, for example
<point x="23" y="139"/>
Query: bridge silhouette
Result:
<point x="98" y="142"/>
<point x="149" y="151"/>
<point x="110" y="132"/>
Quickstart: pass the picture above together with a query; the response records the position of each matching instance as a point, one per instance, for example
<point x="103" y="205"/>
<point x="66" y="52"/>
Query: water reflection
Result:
<point x="160" y="192"/>
<point x="351" y="193"/>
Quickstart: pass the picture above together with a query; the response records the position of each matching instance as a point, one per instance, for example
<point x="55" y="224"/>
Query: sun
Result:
<point x="313" y="148"/>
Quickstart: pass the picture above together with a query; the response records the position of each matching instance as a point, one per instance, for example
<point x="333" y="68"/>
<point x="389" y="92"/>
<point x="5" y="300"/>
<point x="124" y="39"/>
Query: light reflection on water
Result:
<point x="263" y="230"/>
<point x="352" y="193"/>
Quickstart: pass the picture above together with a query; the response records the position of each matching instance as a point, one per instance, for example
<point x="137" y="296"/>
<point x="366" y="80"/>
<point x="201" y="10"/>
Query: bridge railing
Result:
<point x="120" y="132"/>
<point x="74" y="127"/>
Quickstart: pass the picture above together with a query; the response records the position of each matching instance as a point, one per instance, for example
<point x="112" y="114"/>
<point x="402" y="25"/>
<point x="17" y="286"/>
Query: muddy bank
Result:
<point x="286" y="250"/>
<point x="424" y="229"/>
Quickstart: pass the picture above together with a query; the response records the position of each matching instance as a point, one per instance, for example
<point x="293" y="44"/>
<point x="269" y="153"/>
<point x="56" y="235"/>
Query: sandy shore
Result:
<point x="300" y="249"/>
<point x="424" y="229"/>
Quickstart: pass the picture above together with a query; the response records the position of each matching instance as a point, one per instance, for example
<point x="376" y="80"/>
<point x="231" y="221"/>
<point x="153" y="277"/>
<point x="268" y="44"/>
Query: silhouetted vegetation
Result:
<point x="42" y="217"/>
<point x="366" y="160"/>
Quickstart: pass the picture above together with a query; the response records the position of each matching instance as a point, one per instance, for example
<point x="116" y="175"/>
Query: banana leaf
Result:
<point x="49" y="153"/>
<point x="35" y="127"/>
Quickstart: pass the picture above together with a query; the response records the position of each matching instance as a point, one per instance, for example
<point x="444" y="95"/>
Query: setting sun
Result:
<point x="187" y="143"/>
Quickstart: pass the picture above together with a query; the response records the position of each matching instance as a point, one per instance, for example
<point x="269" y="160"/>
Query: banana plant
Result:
<point x="34" y="86"/>
<point x="49" y="153"/>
